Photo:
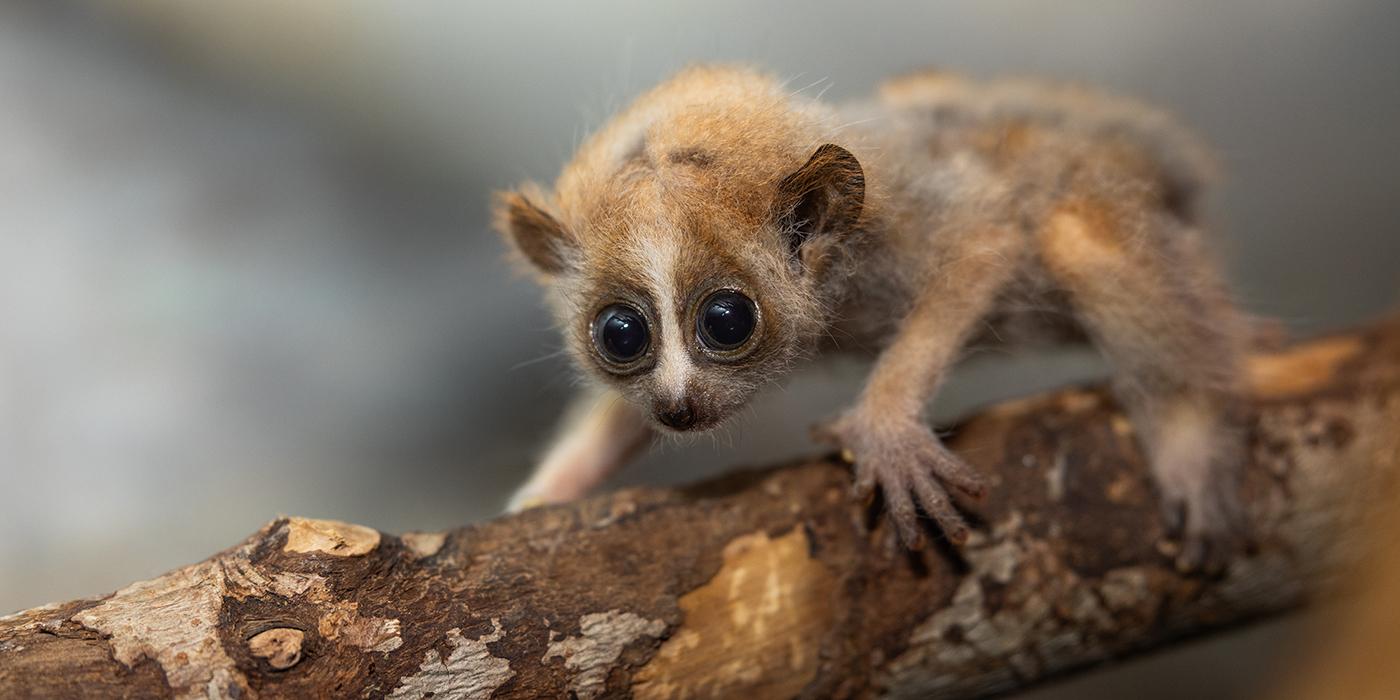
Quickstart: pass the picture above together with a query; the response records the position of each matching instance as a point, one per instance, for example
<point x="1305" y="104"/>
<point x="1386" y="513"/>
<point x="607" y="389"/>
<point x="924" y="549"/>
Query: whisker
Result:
<point x="537" y="360"/>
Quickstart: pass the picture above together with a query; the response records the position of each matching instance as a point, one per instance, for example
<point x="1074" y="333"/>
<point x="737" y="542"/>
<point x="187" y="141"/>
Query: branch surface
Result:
<point x="769" y="583"/>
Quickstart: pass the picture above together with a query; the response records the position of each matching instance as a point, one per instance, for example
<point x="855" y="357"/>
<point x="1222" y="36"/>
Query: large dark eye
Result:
<point x="726" y="320"/>
<point x="621" y="333"/>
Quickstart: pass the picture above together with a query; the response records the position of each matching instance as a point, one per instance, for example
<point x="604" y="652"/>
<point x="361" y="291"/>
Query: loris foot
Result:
<point x="909" y="463"/>
<point x="1208" y="525"/>
<point x="1195" y="466"/>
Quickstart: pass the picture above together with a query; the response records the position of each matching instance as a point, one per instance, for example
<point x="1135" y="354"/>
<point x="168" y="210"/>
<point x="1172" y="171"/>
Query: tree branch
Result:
<point x="768" y="583"/>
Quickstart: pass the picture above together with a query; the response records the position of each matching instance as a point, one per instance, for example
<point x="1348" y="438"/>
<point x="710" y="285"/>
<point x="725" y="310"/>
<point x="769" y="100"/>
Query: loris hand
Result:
<point x="908" y="462"/>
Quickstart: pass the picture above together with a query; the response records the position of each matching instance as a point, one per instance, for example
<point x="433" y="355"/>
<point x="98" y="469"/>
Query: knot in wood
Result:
<point x="280" y="646"/>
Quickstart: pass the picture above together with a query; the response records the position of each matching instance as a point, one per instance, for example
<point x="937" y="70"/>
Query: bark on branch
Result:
<point x="766" y="584"/>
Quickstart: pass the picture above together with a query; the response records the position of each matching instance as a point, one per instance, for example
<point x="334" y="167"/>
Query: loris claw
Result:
<point x="725" y="227"/>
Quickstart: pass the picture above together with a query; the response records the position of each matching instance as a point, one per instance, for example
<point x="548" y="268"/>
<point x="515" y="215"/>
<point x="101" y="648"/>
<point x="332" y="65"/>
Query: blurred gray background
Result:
<point x="245" y="268"/>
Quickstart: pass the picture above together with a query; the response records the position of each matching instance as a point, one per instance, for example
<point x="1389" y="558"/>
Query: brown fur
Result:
<point x="901" y="225"/>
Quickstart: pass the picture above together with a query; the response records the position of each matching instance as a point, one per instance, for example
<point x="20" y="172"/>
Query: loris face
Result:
<point x="683" y="305"/>
<point x="683" y="330"/>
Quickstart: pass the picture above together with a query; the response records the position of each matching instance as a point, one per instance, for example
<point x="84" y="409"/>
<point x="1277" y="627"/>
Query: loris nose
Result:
<point x="678" y="414"/>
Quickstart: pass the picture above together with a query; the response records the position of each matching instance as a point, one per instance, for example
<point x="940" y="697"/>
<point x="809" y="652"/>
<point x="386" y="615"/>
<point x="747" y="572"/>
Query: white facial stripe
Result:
<point x="658" y="255"/>
<point x="674" y="367"/>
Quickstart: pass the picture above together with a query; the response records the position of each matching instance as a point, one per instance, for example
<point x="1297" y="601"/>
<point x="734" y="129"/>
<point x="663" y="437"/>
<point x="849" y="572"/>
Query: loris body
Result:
<point x="724" y="227"/>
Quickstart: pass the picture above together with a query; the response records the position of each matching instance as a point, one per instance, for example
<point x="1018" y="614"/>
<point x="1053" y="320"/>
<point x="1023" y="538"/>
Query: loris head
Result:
<point x="691" y="244"/>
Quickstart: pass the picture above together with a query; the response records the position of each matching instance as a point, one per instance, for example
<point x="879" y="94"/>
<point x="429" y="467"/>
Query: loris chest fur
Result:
<point x="723" y="228"/>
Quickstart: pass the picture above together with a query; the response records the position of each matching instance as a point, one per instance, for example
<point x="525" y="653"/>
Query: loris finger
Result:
<point x="953" y="471"/>
<point x="899" y="509"/>
<point x="934" y="500"/>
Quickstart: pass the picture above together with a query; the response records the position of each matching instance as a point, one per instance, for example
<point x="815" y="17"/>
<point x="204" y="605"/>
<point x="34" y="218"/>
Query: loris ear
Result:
<point x="533" y="232"/>
<point x="823" y="197"/>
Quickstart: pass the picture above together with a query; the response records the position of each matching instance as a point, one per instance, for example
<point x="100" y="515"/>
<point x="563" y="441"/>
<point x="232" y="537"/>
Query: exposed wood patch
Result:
<point x="343" y="622"/>
<point x="590" y="656"/>
<point x="333" y="537"/>
<point x="753" y="630"/>
<point x="172" y="621"/>
<point x="469" y="672"/>
<point x="1300" y="370"/>
<point x="424" y="544"/>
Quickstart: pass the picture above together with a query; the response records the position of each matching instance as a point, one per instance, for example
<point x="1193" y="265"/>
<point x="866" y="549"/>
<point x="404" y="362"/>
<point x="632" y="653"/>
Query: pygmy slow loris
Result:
<point x="725" y="227"/>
